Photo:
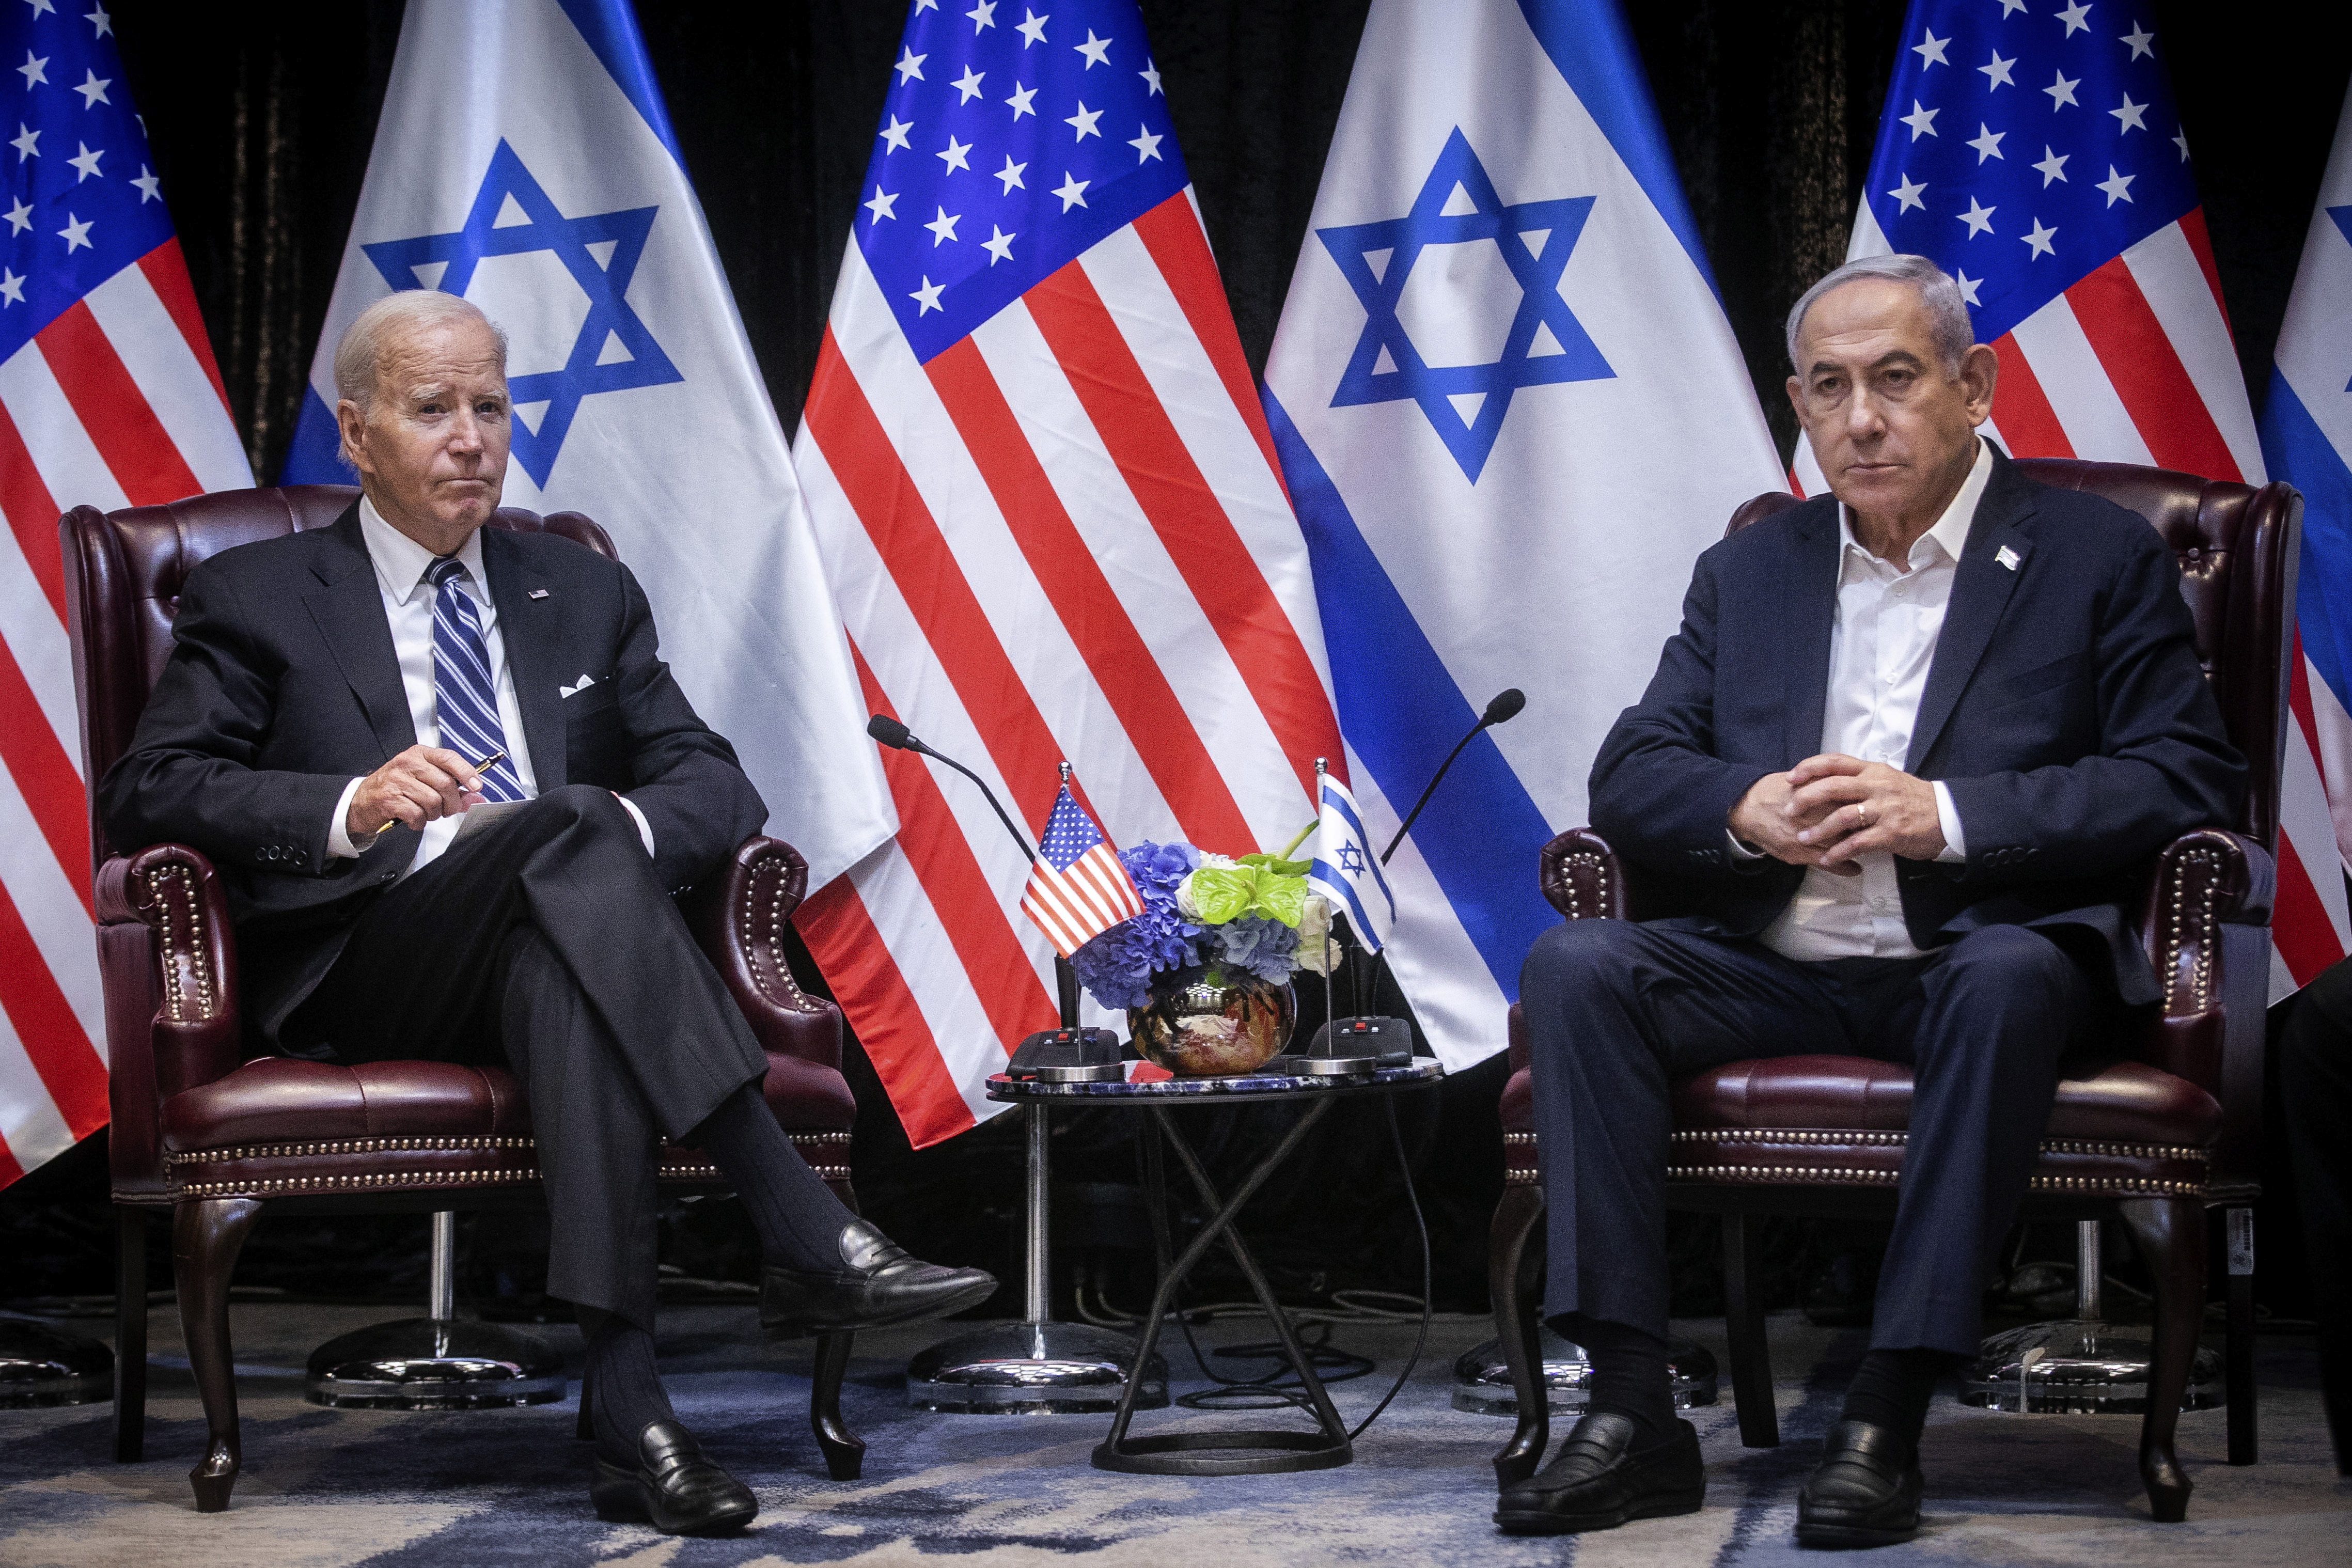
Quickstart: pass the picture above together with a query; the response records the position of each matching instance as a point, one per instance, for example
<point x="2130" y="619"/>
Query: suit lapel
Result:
<point x="527" y="628"/>
<point x="1982" y="586"/>
<point x="348" y="610"/>
<point x="1809" y="599"/>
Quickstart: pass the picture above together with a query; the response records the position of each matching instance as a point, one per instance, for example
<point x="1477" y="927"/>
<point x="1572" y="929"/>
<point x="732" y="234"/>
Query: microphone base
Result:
<point x="1387" y="1040"/>
<point x="1064" y="1056"/>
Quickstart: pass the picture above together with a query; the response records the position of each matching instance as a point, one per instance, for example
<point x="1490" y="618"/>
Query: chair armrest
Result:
<point x="2205" y="925"/>
<point x="167" y="960"/>
<point x="740" y="916"/>
<point x="1583" y="877"/>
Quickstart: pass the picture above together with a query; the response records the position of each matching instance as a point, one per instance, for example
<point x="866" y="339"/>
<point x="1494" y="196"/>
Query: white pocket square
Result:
<point x="585" y="682"/>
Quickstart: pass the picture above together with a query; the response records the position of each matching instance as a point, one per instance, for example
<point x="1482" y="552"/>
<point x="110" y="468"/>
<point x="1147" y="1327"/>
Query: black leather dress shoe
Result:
<point x="1597" y="1481"/>
<point x="877" y="1286"/>
<point x="674" y="1488"/>
<point x="1864" y="1492"/>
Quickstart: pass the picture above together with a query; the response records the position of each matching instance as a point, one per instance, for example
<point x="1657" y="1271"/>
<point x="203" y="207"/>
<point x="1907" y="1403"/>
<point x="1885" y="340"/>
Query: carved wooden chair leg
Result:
<point x="206" y="1236"/>
<point x="844" y="1451"/>
<point x="2170" y="1236"/>
<point x="130" y="1334"/>
<point x="1751" y="1352"/>
<point x="1514" y="1274"/>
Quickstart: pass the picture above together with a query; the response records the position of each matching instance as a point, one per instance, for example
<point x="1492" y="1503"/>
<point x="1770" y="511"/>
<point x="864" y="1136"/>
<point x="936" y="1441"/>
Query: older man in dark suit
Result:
<point x="341" y="706"/>
<point x="1899" y="771"/>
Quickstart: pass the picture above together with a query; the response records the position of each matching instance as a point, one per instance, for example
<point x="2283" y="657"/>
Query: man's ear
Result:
<point x="351" y="426"/>
<point x="1980" y="371"/>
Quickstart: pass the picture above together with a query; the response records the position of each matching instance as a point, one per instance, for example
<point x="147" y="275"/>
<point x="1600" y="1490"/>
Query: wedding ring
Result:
<point x="1861" y="813"/>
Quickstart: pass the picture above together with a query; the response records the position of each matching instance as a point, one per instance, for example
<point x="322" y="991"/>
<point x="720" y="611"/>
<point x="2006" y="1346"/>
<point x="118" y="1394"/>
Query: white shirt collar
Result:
<point x="401" y="562"/>
<point x="1950" y="532"/>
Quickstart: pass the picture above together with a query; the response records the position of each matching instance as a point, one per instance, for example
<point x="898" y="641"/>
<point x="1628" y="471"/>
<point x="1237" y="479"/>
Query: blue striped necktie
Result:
<point x="465" y="696"/>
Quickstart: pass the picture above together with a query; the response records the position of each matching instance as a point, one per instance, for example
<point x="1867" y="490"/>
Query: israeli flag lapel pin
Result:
<point x="2006" y="556"/>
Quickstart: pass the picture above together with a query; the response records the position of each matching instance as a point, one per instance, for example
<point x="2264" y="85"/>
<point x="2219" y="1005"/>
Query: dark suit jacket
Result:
<point x="2064" y="709"/>
<point x="283" y="685"/>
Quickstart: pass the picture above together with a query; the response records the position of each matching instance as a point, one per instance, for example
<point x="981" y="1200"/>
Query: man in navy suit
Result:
<point x="1898" y="774"/>
<point x="336" y="705"/>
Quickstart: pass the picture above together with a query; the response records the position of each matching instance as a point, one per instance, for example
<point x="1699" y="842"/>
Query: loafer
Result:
<point x="877" y="1286"/>
<point x="1598" y="1481"/>
<point x="1864" y="1492"/>
<point x="674" y="1488"/>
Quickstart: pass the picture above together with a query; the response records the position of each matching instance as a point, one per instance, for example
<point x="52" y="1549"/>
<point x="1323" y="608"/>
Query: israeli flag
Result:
<point x="525" y="161"/>
<point x="1510" y="413"/>
<point x="2306" y="431"/>
<point x="1346" y="871"/>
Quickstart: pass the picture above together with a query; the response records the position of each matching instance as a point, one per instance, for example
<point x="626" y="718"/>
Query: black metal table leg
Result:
<point x="1227" y="1452"/>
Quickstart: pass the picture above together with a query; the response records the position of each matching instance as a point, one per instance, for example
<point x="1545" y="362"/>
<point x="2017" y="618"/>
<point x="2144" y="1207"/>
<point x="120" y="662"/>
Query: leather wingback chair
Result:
<point x="2160" y="1126"/>
<point x="213" y="1138"/>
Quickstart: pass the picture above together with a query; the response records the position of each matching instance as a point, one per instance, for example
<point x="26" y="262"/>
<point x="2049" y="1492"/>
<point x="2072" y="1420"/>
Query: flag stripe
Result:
<point x="2081" y="393"/>
<point x="69" y="461"/>
<point x="167" y="274"/>
<point x="112" y="408"/>
<point x="2200" y="245"/>
<point x="2172" y="282"/>
<point x="32" y="514"/>
<point x="916" y="553"/>
<point x="38" y="1009"/>
<point x="1178" y="247"/>
<point x="1188" y="516"/>
<point x="184" y="400"/>
<point x="952" y="878"/>
<point x="2147" y="374"/>
<point x="856" y="959"/>
<point x="2030" y="423"/>
<point x="45" y="778"/>
<point x="1132" y="680"/>
<point x="2301" y="930"/>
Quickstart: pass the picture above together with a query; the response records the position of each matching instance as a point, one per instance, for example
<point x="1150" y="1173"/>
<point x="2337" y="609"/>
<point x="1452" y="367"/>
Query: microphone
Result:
<point x="899" y="737"/>
<point x="1070" y="1051"/>
<point x="1501" y="710"/>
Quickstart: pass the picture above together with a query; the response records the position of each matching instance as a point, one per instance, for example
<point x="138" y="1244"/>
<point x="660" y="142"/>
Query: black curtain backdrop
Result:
<point x="261" y="119"/>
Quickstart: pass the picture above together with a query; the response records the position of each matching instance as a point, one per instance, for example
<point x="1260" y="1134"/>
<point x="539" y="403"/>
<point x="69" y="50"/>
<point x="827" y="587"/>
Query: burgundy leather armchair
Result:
<point x="212" y="1137"/>
<point x="2161" y="1126"/>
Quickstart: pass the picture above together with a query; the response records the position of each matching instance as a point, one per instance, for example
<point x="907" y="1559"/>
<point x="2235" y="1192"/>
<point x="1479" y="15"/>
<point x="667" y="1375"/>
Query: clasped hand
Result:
<point x="420" y="785"/>
<point x="1830" y="810"/>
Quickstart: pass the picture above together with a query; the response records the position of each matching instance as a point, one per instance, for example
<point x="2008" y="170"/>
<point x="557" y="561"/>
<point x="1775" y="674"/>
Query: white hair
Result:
<point x="1947" y="312"/>
<point x="359" y="357"/>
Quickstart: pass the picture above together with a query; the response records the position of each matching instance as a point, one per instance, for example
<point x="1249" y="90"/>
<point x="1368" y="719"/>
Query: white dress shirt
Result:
<point x="1882" y="645"/>
<point x="408" y="601"/>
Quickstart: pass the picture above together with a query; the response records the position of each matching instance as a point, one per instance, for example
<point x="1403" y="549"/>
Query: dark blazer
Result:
<point x="283" y="685"/>
<point x="2064" y="709"/>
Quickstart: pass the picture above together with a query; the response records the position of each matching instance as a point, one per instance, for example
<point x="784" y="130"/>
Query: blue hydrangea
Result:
<point x="1117" y="967"/>
<point x="1256" y="945"/>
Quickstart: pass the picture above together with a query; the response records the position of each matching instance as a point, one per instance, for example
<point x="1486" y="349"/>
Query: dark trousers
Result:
<point x="2315" y="1071"/>
<point x="546" y="939"/>
<point x="1616" y="1011"/>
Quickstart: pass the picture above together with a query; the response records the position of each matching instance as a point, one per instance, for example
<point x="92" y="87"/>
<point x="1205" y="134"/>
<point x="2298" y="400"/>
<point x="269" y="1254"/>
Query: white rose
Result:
<point x="1185" y="905"/>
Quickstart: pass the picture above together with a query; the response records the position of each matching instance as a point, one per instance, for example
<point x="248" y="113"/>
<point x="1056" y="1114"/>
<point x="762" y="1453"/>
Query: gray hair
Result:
<point x="1947" y="313"/>
<point x="360" y="354"/>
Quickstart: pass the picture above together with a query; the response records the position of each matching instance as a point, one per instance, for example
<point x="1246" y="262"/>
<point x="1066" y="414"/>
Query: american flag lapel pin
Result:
<point x="2006" y="556"/>
<point x="539" y="593"/>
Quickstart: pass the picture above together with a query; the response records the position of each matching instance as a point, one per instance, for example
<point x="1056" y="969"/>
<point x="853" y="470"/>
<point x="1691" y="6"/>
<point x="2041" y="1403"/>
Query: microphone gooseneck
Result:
<point x="1501" y="709"/>
<point x="890" y="732"/>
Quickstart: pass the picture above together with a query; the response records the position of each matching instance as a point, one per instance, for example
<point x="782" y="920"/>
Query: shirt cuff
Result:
<point x="646" y="829"/>
<point x="1740" y="851"/>
<point x="338" y="839"/>
<point x="1947" y="818"/>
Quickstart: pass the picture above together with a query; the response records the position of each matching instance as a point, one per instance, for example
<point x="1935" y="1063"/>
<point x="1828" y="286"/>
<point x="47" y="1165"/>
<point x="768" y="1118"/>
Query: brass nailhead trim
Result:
<point x="175" y="900"/>
<point x="1896" y="1139"/>
<point x="775" y="978"/>
<point x="1583" y="862"/>
<point x="2209" y="864"/>
<point x="1830" y="1176"/>
<point x="342" y="1146"/>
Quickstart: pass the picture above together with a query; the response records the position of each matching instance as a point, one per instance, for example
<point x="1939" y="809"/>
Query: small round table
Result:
<point x="1223" y="1452"/>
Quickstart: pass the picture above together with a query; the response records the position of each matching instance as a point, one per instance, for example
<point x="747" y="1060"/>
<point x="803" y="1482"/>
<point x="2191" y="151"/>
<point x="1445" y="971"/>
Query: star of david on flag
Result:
<point x="512" y="215"/>
<point x="1466" y="404"/>
<point x="1344" y="871"/>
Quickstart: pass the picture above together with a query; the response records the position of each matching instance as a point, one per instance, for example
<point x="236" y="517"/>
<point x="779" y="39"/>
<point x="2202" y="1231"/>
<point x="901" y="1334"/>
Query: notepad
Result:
<point x="481" y="818"/>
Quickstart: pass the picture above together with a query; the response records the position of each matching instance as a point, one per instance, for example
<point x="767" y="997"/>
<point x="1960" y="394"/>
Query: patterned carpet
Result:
<point x="325" y="1489"/>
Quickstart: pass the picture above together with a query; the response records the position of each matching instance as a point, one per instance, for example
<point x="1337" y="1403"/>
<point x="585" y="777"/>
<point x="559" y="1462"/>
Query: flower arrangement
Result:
<point x="1208" y="920"/>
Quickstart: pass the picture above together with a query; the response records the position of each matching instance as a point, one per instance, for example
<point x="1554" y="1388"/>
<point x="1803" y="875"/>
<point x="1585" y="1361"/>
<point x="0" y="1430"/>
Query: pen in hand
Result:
<point x="479" y="768"/>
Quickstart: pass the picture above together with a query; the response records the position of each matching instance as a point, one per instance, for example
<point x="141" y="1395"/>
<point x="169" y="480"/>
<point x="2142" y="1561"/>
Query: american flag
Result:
<point x="2033" y="149"/>
<point x="1052" y="516"/>
<point x="108" y="396"/>
<point x="1077" y="889"/>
